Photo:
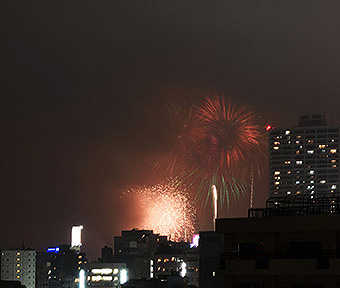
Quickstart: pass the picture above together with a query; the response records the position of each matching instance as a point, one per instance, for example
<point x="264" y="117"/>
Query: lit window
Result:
<point x="322" y="146"/>
<point x="276" y="148"/>
<point x="297" y="182"/>
<point x="276" y="143"/>
<point x="298" y="192"/>
<point x="289" y="192"/>
<point x="297" y="152"/>
<point x="310" y="151"/>
<point x="333" y="161"/>
<point x="18" y="259"/>
<point x="18" y="270"/>
<point x="298" y="162"/>
<point x="333" y="187"/>
<point x="18" y="265"/>
<point x="287" y="132"/>
<point x="311" y="172"/>
<point x="287" y="162"/>
<point x="310" y="141"/>
<point x="332" y="151"/>
<point x="289" y="172"/>
<point x="277" y="183"/>
<point x="18" y="253"/>
<point x="18" y="276"/>
<point x="277" y="173"/>
<point x="322" y="181"/>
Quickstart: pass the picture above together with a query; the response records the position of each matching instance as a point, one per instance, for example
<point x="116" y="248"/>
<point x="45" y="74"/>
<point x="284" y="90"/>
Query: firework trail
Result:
<point x="167" y="210"/>
<point x="215" y="197"/>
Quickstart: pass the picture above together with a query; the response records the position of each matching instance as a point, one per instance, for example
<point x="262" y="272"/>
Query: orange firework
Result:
<point x="227" y="143"/>
<point x="166" y="210"/>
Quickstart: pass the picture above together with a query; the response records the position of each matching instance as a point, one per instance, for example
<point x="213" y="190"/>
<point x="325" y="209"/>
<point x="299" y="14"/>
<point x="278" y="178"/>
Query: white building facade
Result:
<point x="19" y="265"/>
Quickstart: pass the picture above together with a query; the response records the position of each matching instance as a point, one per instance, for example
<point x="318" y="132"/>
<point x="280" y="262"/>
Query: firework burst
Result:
<point x="227" y="142"/>
<point x="167" y="209"/>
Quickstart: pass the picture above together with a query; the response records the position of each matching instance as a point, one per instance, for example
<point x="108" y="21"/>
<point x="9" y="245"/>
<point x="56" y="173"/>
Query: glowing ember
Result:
<point x="167" y="210"/>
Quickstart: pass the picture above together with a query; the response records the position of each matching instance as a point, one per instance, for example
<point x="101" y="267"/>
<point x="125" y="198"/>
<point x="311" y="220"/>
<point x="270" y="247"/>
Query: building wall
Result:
<point x="304" y="160"/>
<point x="19" y="265"/>
<point x="280" y="251"/>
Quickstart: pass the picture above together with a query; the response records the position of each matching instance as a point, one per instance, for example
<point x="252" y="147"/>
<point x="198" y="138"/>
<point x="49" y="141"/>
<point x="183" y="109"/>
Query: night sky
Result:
<point x="84" y="87"/>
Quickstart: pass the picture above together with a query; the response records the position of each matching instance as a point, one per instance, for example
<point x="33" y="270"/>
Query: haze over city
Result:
<point x="86" y="89"/>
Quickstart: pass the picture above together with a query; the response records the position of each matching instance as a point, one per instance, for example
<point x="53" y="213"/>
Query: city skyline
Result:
<point x="85" y="89"/>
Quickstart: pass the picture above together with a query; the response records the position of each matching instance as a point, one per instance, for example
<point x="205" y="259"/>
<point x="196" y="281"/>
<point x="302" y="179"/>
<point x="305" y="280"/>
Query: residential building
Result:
<point x="19" y="265"/>
<point x="304" y="160"/>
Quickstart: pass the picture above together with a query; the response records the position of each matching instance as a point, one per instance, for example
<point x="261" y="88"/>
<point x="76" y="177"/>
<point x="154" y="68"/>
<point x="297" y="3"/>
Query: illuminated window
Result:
<point x="287" y="162"/>
<point x="287" y="132"/>
<point x="322" y="181"/>
<point x="277" y="183"/>
<point x="310" y="151"/>
<point x="333" y="161"/>
<point x="332" y="151"/>
<point x="18" y="253"/>
<point x="297" y="152"/>
<point x="18" y="265"/>
<point x="276" y="143"/>
<point x="333" y="187"/>
<point x="277" y="173"/>
<point x="18" y="259"/>
<point x="298" y="162"/>
<point x="322" y="146"/>
<point x="289" y="172"/>
<point x="310" y="141"/>
<point x="115" y="271"/>
<point x="18" y="270"/>
<point x="289" y="192"/>
<point x="276" y="148"/>
<point x="298" y="192"/>
<point x="311" y="172"/>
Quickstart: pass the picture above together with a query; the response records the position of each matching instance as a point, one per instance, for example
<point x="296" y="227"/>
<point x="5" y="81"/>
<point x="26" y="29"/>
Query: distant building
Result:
<point x="177" y="259"/>
<point x="19" y="265"/>
<point x="106" y="275"/>
<point x="107" y="255"/>
<point x="66" y="264"/>
<point x="304" y="160"/>
<point x="43" y="265"/>
<point x="287" y="252"/>
<point x="136" y="248"/>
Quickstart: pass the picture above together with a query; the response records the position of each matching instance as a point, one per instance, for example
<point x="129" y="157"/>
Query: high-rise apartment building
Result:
<point x="304" y="160"/>
<point x="19" y="265"/>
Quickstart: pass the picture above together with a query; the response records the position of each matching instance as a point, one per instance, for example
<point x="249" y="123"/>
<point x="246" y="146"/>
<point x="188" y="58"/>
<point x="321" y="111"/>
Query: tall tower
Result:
<point x="304" y="160"/>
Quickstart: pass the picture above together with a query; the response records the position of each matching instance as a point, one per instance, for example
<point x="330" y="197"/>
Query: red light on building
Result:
<point x="269" y="127"/>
